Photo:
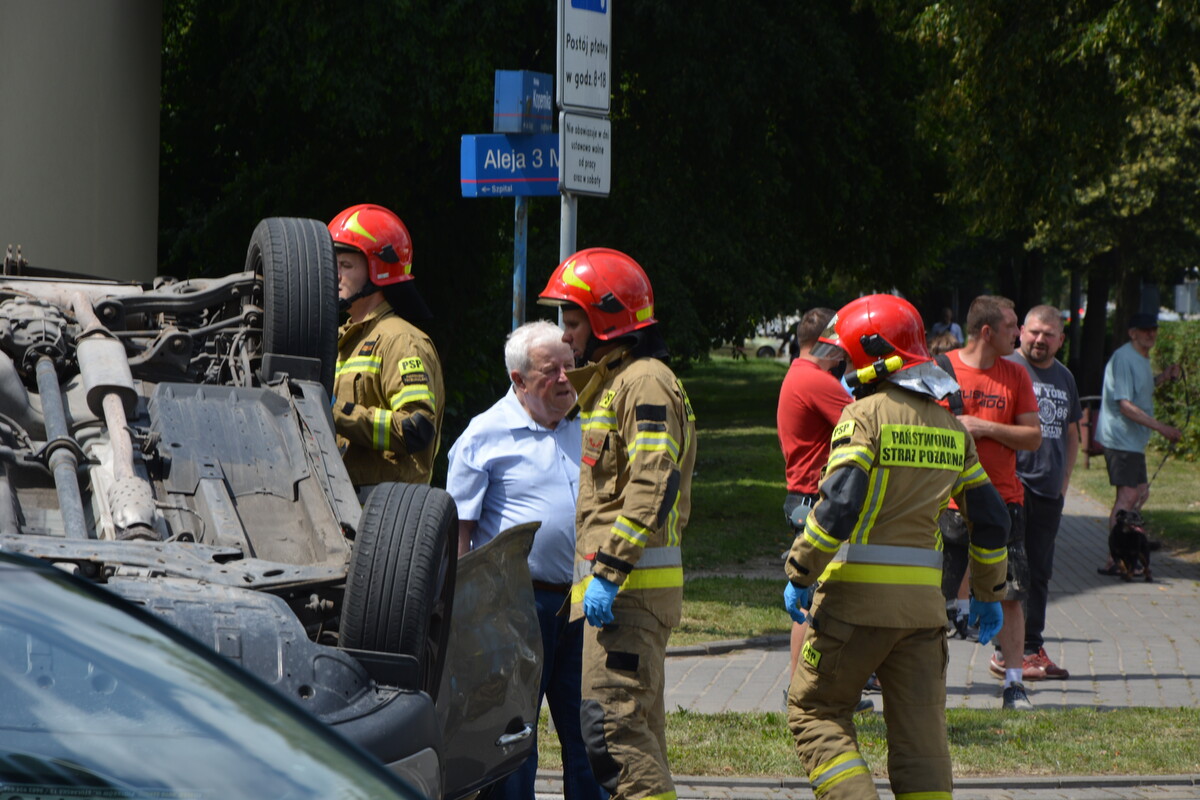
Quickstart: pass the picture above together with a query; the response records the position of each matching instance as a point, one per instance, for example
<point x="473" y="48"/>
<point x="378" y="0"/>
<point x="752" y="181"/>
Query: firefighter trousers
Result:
<point x="835" y="663"/>
<point x="622" y="714"/>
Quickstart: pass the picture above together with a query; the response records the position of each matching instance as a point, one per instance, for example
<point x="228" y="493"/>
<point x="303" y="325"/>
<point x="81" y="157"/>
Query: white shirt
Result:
<point x="506" y="469"/>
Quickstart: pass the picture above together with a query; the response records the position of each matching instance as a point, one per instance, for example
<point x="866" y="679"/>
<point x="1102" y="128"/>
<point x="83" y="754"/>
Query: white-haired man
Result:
<point x="519" y="462"/>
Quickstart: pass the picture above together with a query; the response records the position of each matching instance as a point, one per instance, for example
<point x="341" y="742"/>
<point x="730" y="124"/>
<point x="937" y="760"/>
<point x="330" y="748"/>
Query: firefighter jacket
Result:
<point x="872" y="539"/>
<point x="635" y="483"/>
<point x="388" y="399"/>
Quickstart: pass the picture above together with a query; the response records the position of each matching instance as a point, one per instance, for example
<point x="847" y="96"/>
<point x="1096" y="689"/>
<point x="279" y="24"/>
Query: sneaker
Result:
<point x="1030" y="671"/>
<point x="1015" y="698"/>
<point x="864" y="706"/>
<point x="996" y="665"/>
<point x="1048" y="667"/>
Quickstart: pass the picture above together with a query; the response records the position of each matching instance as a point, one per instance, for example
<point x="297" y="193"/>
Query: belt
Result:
<point x="806" y="499"/>
<point x="557" y="588"/>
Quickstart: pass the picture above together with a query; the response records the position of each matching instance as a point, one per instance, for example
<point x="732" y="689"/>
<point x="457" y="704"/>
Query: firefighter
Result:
<point x="388" y="399"/>
<point x="635" y="477"/>
<point x="869" y="560"/>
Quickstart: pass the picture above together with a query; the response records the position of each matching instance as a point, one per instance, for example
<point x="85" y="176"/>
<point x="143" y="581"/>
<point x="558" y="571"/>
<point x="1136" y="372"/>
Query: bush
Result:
<point x="1179" y="342"/>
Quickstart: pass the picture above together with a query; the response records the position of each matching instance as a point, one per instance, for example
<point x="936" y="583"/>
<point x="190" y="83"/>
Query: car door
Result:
<point x="488" y="701"/>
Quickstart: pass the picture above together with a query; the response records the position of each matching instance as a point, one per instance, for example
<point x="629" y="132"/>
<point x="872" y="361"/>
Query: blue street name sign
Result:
<point x="502" y="164"/>
<point x="523" y="102"/>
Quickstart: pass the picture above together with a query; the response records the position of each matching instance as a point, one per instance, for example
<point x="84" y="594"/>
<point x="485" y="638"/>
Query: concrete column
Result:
<point x="79" y="143"/>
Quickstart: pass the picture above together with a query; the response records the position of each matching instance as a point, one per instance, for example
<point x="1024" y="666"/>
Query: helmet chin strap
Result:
<point x="367" y="289"/>
<point x="589" y="350"/>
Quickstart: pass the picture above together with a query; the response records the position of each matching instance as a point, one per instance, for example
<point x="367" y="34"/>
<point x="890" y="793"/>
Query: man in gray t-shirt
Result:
<point x="1127" y="417"/>
<point x="1045" y="472"/>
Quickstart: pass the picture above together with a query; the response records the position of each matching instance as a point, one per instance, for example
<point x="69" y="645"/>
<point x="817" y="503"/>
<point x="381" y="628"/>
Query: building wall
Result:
<point x="79" y="150"/>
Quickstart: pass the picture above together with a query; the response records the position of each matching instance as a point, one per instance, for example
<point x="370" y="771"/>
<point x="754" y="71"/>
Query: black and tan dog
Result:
<point x="1129" y="545"/>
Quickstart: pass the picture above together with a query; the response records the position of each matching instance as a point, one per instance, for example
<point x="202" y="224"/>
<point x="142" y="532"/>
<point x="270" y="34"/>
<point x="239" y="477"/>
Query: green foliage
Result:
<point x="1179" y="343"/>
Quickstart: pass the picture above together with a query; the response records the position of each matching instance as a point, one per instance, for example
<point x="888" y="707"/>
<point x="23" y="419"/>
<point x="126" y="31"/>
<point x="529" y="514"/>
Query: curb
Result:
<point x="727" y="645"/>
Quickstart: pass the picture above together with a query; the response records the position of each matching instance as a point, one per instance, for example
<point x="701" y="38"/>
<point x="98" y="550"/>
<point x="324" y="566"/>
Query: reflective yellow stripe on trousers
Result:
<point x="658" y="568"/>
<point x="881" y="563"/>
<point x="836" y="770"/>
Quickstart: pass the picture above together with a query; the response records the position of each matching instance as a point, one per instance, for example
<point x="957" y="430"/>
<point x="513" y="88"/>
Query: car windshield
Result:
<point x="97" y="700"/>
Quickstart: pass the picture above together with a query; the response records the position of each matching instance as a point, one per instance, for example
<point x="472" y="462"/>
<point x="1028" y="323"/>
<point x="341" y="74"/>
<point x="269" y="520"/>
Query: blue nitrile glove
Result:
<point x="988" y="616"/>
<point x="797" y="601"/>
<point x="598" y="601"/>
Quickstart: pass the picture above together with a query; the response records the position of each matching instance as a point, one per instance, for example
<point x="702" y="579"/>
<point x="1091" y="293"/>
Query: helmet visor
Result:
<point x="828" y="344"/>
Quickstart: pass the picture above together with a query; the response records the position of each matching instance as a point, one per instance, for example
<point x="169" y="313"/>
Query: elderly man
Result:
<point x="1127" y="418"/>
<point x="519" y="462"/>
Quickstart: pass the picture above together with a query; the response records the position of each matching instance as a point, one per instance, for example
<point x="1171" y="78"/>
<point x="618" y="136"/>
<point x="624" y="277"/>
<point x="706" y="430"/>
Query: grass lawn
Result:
<point x="1132" y="741"/>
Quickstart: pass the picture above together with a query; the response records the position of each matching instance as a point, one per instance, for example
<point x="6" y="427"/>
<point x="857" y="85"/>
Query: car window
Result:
<point x="95" y="698"/>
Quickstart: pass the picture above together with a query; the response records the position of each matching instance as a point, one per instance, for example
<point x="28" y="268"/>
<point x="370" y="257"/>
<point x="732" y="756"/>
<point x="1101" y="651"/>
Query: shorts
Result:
<point x="1125" y="467"/>
<point x="1018" y="560"/>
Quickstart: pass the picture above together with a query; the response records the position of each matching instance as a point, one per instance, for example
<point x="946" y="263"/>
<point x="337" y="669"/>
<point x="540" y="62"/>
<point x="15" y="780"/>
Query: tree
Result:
<point x="764" y="154"/>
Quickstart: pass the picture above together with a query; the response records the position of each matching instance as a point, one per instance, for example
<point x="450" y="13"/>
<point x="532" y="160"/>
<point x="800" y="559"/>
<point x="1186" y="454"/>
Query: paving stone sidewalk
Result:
<point x="1125" y="644"/>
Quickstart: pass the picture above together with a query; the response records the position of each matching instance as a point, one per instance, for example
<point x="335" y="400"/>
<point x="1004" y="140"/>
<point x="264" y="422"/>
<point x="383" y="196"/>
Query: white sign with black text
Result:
<point x="585" y="154"/>
<point x="584" y="55"/>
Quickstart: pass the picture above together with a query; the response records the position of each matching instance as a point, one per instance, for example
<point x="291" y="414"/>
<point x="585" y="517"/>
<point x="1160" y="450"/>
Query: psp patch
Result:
<point x="842" y="434"/>
<point x="811" y="656"/>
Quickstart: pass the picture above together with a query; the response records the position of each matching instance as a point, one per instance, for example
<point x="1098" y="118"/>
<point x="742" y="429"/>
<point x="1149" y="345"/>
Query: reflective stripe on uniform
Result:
<point x="988" y="556"/>
<point x="896" y="575"/>
<point x="871" y="506"/>
<point x="651" y="557"/>
<point x="381" y="429"/>
<point x="970" y="477"/>
<point x="895" y="555"/>
<point x="662" y="796"/>
<point x="859" y="456"/>
<point x="649" y="441"/>
<point x="604" y="419"/>
<point x="369" y="364"/>
<point x="817" y="536"/>
<point x="658" y="568"/>
<point x="836" y="770"/>
<point x="630" y="531"/>
<point x="639" y="578"/>
<point x="416" y="393"/>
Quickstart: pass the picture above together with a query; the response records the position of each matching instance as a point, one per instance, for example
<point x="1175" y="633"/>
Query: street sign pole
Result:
<point x="520" y="253"/>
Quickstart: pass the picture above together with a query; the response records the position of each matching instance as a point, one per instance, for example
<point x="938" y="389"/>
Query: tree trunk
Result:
<point x="1095" y="343"/>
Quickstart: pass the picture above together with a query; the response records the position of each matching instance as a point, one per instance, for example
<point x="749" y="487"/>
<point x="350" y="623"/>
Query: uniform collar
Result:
<point x="378" y="312"/>
<point x="588" y="380"/>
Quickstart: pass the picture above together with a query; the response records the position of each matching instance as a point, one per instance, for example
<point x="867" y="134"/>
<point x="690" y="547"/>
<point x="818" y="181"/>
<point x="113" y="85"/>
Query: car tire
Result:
<point x="400" y="587"/>
<point x="766" y="351"/>
<point x="295" y="258"/>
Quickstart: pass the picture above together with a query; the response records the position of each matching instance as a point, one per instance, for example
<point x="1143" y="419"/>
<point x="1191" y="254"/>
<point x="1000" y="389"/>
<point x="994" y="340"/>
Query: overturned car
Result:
<point x="172" y="441"/>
